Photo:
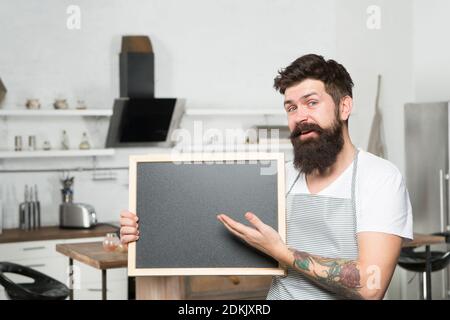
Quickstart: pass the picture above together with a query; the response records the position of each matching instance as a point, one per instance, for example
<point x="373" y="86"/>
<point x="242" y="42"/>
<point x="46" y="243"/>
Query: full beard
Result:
<point x="318" y="153"/>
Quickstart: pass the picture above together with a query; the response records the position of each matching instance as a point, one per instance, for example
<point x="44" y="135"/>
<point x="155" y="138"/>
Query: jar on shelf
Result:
<point x="111" y="242"/>
<point x="84" y="145"/>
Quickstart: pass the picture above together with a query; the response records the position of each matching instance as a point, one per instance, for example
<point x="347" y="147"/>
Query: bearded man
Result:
<point x="348" y="211"/>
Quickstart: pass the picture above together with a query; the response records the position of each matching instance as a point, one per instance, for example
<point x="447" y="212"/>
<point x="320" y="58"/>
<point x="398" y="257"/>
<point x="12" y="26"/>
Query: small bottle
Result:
<point x="46" y="145"/>
<point x="65" y="141"/>
<point x="18" y="143"/>
<point x="32" y="143"/>
<point x="122" y="247"/>
<point x="111" y="242"/>
<point x="81" y="105"/>
<point x="84" y="142"/>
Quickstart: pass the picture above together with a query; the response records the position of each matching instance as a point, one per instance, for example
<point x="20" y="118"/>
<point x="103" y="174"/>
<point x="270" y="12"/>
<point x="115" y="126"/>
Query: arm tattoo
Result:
<point x="338" y="275"/>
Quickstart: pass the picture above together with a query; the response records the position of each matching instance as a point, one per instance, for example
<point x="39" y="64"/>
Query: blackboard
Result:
<point x="177" y="199"/>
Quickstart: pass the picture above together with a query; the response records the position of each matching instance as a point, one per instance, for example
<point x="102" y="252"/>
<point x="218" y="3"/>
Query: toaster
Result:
<point x="77" y="215"/>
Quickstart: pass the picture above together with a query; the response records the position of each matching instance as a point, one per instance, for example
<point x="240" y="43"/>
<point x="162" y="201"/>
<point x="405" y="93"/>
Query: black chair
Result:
<point x="43" y="287"/>
<point x="417" y="262"/>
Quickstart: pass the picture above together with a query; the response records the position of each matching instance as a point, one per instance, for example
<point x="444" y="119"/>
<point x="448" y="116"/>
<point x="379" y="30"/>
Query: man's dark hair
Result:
<point x="337" y="80"/>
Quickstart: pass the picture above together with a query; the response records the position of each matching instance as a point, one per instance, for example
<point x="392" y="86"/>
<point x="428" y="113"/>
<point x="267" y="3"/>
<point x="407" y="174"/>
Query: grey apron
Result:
<point x="319" y="225"/>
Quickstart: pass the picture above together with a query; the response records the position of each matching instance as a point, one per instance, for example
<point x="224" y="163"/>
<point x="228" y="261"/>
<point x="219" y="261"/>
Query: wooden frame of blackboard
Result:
<point x="198" y="158"/>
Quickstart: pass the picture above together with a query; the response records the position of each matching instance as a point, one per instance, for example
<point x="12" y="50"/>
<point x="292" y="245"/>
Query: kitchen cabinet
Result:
<point x="93" y="290"/>
<point x="42" y="256"/>
<point x="202" y="287"/>
<point x="227" y="287"/>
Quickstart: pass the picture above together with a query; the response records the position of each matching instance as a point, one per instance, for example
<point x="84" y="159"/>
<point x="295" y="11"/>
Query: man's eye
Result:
<point x="312" y="103"/>
<point x="291" y="108"/>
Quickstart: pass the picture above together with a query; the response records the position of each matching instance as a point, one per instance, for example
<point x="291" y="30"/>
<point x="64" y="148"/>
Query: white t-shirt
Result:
<point x="382" y="200"/>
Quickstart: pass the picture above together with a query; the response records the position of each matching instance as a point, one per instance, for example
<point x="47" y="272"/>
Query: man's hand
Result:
<point x="129" y="228"/>
<point x="262" y="236"/>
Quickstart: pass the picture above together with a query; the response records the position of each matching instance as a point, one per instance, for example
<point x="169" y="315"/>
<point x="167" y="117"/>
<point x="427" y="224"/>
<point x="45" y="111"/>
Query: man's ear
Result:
<point x="345" y="108"/>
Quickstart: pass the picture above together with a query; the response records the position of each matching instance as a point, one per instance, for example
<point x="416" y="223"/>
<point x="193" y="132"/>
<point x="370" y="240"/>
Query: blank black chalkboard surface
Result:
<point x="177" y="198"/>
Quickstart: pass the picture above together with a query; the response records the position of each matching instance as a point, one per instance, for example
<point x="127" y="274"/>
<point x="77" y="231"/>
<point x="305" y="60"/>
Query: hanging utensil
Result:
<point x="33" y="209"/>
<point x="27" y="213"/>
<point x="38" y="206"/>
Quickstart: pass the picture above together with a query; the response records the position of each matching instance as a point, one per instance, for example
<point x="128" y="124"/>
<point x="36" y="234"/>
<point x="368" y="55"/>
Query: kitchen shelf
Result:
<point x="56" y="153"/>
<point x="54" y="112"/>
<point x="237" y="148"/>
<point x="234" y="112"/>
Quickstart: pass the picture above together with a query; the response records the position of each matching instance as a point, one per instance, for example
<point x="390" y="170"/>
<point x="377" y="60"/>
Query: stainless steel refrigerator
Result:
<point x="427" y="178"/>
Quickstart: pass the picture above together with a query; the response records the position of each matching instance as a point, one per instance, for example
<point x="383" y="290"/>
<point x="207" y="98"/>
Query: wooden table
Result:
<point x="426" y="240"/>
<point x="92" y="254"/>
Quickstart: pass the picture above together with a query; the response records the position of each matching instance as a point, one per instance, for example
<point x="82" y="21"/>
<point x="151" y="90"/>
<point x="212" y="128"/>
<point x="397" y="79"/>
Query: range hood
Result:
<point x="139" y="119"/>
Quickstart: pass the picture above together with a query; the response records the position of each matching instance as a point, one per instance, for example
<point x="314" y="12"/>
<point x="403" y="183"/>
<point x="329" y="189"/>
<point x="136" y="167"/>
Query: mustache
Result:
<point x="305" y="127"/>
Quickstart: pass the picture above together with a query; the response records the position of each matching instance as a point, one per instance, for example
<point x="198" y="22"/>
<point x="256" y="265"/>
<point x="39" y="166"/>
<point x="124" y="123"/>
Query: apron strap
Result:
<point x="292" y="185"/>
<point x="355" y="167"/>
<point x="355" y="218"/>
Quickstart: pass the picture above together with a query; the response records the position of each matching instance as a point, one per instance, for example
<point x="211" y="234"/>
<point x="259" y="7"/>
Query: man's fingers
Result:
<point x="239" y="229"/>
<point x="236" y="233"/>
<point x="234" y="224"/>
<point x="127" y="222"/>
<point x="129" y="215"/>
<point x="254" y="220"/>
<point x="233" y="231"/>
<point x="128" y="238"/>
<point x="129" y="230"/>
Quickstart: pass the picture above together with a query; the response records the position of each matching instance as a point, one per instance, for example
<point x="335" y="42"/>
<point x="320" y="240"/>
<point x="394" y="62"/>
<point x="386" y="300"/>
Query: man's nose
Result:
<point x="301" y="114"/>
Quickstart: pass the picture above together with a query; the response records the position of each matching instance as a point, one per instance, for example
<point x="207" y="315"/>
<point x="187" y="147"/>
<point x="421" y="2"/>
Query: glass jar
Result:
<point x="111" y="242"/>
<point x="122" y="248"/>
